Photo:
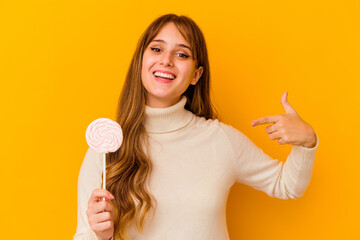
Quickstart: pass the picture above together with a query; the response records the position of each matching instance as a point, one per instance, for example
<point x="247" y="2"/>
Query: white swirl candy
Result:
<point x="104" y="135"/>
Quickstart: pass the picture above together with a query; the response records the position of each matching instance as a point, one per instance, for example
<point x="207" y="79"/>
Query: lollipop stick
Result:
<point x="104" y="172"/>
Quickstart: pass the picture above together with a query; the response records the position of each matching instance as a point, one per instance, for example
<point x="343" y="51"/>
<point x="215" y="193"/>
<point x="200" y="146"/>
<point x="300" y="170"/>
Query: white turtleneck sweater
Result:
<point x="195" y="163"/>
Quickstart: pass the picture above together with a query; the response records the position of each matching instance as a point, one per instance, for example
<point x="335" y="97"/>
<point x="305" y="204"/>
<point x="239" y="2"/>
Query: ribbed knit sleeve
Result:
<point x="277" y="179"/>
<point x="89" y="179"/>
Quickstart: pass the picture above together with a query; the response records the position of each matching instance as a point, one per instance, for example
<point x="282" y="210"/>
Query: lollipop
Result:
<point x="104" y="135"/>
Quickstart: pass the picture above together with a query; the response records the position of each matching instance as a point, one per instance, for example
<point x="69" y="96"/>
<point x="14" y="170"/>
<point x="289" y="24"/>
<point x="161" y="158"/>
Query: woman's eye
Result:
<point x="183" y="55"/>
<point x="155" y="49"/>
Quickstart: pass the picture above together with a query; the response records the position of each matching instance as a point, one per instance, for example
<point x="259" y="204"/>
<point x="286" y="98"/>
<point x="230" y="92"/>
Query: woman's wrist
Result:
<point x="312" y="142"/>
<point x="99" y="238"/>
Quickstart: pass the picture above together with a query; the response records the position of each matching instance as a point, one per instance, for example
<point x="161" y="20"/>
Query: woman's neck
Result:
<point x="169" y="119"/>
<point x="155" y="102"/>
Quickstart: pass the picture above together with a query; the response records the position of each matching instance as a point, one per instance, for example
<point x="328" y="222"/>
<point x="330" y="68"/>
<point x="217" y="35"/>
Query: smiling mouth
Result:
<point x="163" y="78"/>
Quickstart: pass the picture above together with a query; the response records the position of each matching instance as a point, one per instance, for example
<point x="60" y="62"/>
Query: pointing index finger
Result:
<point x="265" y="120"/>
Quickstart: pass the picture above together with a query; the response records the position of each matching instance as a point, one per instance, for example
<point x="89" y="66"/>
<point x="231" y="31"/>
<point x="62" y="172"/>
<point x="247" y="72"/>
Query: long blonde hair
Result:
<point x="128" y="168"/>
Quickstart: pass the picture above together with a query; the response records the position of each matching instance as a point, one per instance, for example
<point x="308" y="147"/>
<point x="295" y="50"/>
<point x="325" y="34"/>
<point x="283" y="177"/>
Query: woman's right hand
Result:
<point x="100" y="214"/>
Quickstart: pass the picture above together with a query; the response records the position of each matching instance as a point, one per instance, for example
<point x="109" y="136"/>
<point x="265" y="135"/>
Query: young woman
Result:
<point x="171" y="177"/>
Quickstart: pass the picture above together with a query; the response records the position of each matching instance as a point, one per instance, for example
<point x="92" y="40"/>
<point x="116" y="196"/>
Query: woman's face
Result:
<point x="168" y="67"/>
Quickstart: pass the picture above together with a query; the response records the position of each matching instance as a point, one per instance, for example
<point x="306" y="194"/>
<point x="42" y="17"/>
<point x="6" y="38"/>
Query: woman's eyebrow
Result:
<point x="179" y="44"/>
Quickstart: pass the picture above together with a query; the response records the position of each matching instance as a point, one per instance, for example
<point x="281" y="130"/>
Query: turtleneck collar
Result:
<point x="163" y="120"/>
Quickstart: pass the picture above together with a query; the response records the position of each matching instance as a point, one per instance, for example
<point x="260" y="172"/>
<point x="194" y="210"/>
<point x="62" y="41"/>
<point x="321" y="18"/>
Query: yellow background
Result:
<point x="63" y="63"/>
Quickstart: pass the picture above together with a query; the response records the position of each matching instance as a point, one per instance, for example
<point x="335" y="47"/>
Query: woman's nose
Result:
<point x="166" y="59"/>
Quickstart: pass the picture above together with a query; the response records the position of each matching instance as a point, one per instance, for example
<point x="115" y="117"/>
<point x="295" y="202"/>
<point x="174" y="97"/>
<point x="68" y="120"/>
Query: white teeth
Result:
<point x="164" y="75"/>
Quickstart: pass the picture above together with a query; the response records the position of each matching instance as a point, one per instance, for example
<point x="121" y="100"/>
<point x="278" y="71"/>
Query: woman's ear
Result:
<point x="197" y="75"/>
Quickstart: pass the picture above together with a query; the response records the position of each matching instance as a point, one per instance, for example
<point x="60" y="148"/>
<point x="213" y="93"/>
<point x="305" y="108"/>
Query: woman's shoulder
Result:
<point x="216" y="125"/>
<point x="223" y="132"/>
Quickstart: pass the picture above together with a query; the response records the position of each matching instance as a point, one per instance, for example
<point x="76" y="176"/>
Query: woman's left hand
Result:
<point x="289" y="128"/>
